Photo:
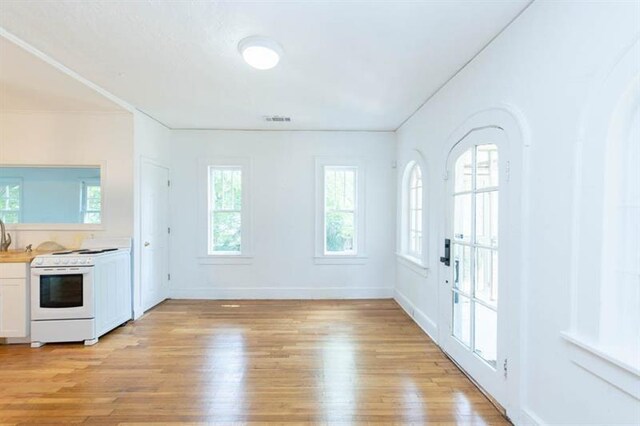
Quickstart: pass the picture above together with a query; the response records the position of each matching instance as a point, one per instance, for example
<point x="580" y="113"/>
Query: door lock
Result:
<point x="446" y="259"/>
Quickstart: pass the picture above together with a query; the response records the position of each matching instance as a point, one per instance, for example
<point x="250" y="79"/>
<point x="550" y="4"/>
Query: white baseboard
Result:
<point x="424" y="322"/>
<point x="527" y="418"/>
<point x="282" y="293"/>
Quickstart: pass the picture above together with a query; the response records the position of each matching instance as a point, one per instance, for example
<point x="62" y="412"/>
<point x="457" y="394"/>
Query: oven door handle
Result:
<point x="60" y="271"/>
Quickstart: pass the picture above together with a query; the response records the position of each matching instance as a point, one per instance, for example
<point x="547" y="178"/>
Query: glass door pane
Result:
<point x="475" y="251"/>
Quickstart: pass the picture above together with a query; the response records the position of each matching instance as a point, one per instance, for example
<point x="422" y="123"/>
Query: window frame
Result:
<point x="358" y="254"/>
<point x="212" y="210"/>
<point x="417" y="263"/>
<point x="353" y="211"/>
<point x="413" y="210"/>
<point x="206" y="255"/>
<point x="19" y="182"/>
<point x="84" y="183"/>
<point x="604" y="122"/>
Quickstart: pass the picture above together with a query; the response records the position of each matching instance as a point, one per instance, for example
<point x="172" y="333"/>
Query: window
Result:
<point x="91" y="204"/>
<point x="10" y="200"/>
<point x="604" y="333"/>
<point x="414" y="221"/>
<point x="225" y="209"/>
<point x="340" y="202"/>
<point x="340" y="211"/>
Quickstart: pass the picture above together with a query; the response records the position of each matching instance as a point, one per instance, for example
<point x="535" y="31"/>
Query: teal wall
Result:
<point x="50" y="194"/>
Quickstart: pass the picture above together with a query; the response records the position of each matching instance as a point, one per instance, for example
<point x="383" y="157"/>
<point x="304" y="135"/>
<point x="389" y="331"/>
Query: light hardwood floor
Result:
<point x="236" y="362"/>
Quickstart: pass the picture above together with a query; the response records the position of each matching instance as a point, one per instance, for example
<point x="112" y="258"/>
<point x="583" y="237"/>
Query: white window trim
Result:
<point x="358" y="256"/>
<point x="413" y="264"/>
<point x="418" y="263"/>
<point x="245" y="255"/>
<point x="599" y="362"/>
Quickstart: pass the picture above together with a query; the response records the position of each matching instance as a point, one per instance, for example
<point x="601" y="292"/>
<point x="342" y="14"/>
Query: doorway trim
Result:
<point x="511" y="121"/>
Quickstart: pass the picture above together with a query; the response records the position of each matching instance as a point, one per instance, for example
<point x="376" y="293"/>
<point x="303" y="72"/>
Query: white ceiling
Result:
<point x="27" y="83"/>
<point x="347" y="65"/>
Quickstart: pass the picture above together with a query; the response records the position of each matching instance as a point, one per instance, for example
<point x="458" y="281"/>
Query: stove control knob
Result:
<point x="38" y="262"/>
<point x="56" y="261"/>
<point x="89" y="260"/>
<point x="65" y="261"/>
<point x="74" y="261"/>
<point x="80" y="261"/>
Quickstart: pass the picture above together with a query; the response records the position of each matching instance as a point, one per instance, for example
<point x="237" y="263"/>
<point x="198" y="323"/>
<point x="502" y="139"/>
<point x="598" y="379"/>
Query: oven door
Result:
<point x="61" y="293"/>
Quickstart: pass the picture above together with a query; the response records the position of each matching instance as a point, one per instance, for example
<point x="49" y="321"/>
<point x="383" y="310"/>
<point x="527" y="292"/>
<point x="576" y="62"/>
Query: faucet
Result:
<point x="5" y="238"/>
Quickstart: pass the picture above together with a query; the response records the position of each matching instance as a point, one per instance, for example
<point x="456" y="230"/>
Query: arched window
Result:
<point x="605" y="316"/>
<point x="414" y="211"/>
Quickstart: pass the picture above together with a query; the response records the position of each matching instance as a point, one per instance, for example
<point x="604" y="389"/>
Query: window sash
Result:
<point x="6" y="200"/>
<point x="415" y="199"/>
<point x="85" y="211"/>
<point x="347" y="206"/>
<point x="228" y="203"/>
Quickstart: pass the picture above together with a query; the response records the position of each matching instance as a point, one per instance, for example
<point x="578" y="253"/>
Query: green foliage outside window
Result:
<point x="10" y="203"/>
<point x="226" y="209"/>
<point x="340" y="203"/>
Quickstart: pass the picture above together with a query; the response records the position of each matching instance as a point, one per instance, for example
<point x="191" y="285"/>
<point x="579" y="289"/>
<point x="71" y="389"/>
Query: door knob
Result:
<point x="147" y="243"/>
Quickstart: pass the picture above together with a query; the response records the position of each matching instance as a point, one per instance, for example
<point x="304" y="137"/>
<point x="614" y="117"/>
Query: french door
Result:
<point x="473" y="302"/>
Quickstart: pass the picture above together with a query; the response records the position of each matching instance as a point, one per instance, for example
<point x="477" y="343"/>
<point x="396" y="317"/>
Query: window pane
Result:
<point x="486" y="166"/>
<point x="340" y="231"/>
<point x="463" y="172"/>
<point x="487" y="275"/>
<point x="226" y="231"/>
<point x="487" y="218"/>
<point x="93" y="218"/>
<point x="462" y="268"/>
<point x="10" y="217"/>
<point x="462" y="318"/>
<point x="226" y="206"/>
<point x="462" y="218"/>
<point x="486" y="333"/>
<point x="340" y="204"/>
<point x="349" y="202"/>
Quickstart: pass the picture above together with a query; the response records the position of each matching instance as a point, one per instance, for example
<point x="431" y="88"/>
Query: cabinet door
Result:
<point x="13" y="307"/>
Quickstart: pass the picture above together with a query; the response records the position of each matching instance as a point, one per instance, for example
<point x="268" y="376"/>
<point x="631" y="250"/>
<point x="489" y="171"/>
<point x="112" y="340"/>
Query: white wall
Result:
<point x="544" y="66"/>
<point x="283" y="207"/>
<point x="151" y="143"/>
<point x="82" y="138"/>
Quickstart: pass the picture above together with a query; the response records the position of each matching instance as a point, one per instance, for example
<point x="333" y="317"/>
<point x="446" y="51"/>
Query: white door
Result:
<point x="155" y="233"/>
<point x="475" y="296"/>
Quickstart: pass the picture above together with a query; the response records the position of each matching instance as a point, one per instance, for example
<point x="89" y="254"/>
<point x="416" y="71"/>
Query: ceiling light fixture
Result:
<point x="260" y="52"/>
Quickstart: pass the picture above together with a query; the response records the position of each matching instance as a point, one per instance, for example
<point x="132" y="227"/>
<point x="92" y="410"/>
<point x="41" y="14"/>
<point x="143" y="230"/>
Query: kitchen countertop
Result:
<point x="19" y="256"/>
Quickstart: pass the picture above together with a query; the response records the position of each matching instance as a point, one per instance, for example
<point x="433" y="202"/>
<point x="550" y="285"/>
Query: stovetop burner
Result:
<point x="84" y="251"/>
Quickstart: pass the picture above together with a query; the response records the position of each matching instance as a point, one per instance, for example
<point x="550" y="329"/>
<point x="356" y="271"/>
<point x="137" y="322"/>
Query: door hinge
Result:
<point x="168" y="230"/>
<point x="505" y="367"/>
<point x="169" y="277"/>
<point x="168" y="183"/>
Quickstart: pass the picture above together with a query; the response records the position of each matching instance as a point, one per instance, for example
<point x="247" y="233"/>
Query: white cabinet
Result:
<point x="14" y="300"/>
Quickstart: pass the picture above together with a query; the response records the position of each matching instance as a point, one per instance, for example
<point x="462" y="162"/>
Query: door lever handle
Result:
<point x="147" y="244"/>
<point x="446" y="259"/>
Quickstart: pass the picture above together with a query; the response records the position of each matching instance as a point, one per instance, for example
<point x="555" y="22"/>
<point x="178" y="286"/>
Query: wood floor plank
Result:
<point x="246" y="362"/>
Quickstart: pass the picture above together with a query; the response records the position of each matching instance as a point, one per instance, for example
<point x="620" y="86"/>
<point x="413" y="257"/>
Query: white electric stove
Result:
<point x="79" y="295"/>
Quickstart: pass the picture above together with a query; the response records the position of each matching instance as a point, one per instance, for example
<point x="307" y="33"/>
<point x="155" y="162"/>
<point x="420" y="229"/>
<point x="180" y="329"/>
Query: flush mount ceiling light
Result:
<point x="260" y="52"/>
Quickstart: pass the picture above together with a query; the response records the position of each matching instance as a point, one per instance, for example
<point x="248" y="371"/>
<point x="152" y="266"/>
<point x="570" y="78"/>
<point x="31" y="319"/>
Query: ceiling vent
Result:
<point x="277" y="118"/>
